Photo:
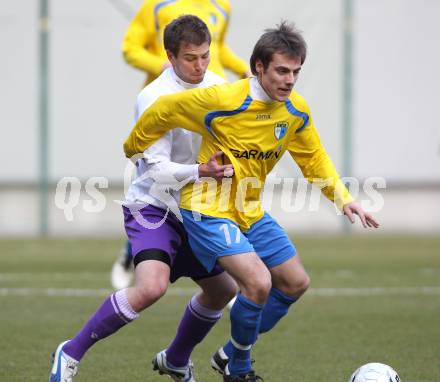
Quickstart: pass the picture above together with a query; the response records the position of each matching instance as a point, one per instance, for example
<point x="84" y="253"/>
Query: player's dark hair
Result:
<point x="285" y="39"/>
<point x="186" y="29"/>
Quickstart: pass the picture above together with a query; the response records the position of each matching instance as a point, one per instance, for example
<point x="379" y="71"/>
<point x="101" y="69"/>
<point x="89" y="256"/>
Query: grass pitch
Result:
<point x="373" y="298"/>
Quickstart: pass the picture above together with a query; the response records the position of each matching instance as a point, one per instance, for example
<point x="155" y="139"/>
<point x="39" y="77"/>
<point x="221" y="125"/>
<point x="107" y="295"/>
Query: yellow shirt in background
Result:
<point x="143" y="42"/>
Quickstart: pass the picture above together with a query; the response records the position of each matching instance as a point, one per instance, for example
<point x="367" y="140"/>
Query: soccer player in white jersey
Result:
<point x="142" y="48"/>
<point x="253" y="121"/>
<point x="161" y="252"/>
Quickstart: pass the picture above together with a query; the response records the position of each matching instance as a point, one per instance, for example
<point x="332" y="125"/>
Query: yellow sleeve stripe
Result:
<point x="297" y="113"/>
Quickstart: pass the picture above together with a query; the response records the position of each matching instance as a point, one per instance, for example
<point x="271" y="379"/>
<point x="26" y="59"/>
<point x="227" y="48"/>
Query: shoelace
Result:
<point x="72" y="370"/>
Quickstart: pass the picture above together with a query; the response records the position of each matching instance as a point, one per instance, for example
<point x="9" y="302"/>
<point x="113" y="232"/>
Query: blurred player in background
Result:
<point x="143" y="48"/>
<point x="162" y="254"/>
<point x="253" y="122"/>
<point x="143" y="42"/>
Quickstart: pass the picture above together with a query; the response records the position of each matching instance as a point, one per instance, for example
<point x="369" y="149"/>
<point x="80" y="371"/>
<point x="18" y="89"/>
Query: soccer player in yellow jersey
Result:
<point x="253" y="121"/>
<point x="143" y="47"/>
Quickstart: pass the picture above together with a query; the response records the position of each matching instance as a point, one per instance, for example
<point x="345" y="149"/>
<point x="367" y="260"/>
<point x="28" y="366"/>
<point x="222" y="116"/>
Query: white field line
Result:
<point x="176" y="291"/>
<point x="378" y="291"/>
<point x="105" y="275"/>
<point x="55" y="276"/>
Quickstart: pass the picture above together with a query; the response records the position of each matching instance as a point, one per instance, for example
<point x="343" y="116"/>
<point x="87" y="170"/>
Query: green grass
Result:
<point x="324" y="338"/>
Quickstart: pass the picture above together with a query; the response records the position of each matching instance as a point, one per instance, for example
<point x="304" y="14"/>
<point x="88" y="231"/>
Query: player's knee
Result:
<point x="299" y="286"/>
<point x="262" y="292"/>
<point x="231" y="292"/>
<point x="227" y="290"/>
<point x="222" y="296"/>
<point x="218" y="295"/>
<point x="303" y="285"/>
<point x="147" y="295"/>
<point x="259" y="287"/>
<point x="156" y="291"/>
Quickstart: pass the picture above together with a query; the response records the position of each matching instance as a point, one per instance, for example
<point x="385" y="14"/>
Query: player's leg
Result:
<point x="289" y="279"/>
<point x="121" y="307"/>
<point x="117" y="310"/>
<point x="253" y="280"/>
<point x="152" y="261"/>
<point x="202" y="312"/>
<point x="122" y="269"/>
<point x="220" y="239"/>
<point x="217" y="291"/>
<point x="289" y="282"/>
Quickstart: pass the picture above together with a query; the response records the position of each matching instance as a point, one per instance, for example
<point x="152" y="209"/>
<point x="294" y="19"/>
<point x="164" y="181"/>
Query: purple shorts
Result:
<point x="169" y="237"/>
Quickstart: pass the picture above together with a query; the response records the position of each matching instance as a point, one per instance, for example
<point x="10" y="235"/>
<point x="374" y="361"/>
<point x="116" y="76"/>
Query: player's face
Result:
<point x="191" y="62"/>
<point x="280" y="76"/>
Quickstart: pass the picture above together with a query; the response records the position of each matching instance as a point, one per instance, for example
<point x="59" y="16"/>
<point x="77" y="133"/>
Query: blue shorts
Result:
<point x="211" y="237"/>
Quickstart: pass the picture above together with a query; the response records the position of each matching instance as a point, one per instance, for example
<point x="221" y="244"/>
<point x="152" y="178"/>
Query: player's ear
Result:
<point x="170" y="56"/>
<point x="259" y="67"/>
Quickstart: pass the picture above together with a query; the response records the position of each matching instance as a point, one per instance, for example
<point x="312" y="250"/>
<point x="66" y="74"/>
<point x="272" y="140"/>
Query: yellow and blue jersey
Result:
<point x="252" y="133"/>
<point x="143" y="42"/>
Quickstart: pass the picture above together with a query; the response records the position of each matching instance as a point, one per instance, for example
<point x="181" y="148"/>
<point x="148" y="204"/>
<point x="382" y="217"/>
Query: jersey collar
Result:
<point x="257" y="92"/>
<point x="181" y="82"/>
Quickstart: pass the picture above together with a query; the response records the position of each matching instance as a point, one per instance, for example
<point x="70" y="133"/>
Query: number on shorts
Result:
<point x="225" y="229"/>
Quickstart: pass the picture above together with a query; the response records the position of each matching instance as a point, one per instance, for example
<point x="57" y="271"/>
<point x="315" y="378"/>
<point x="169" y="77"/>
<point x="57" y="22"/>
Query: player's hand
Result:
<point x="367" y="220"/>
<point x="214" y="170"/>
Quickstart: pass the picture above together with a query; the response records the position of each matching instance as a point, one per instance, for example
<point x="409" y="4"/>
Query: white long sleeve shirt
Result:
<point x="174" y="155"/>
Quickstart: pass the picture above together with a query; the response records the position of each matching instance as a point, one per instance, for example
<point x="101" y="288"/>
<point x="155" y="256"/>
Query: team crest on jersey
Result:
<point x="281" y="129"/>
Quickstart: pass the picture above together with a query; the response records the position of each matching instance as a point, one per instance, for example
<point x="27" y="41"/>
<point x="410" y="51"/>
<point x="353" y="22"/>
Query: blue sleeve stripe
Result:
<point x="157" y="9"/>
<point x="297" y="113"/>
<point x="223" y="12"/>
<point x="225" y="113"/>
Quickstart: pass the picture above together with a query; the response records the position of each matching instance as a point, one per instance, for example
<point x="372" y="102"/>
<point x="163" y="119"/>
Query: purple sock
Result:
<point x="195" y="324"/>
<point x="112" y="315"/>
